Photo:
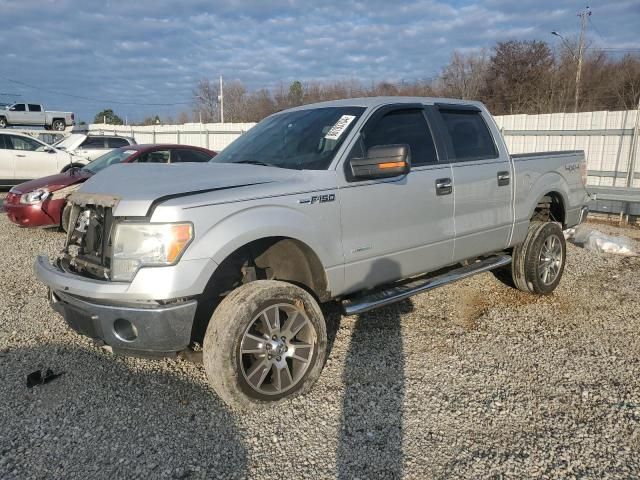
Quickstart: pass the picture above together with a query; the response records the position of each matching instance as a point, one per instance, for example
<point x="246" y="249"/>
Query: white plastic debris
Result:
<point x="596" y="241"/>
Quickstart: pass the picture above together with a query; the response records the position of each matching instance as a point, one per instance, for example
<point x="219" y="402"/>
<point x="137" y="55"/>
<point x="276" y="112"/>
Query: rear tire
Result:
<point x="59" y="125"/>
<point x="3" y="122"/>
<point x="538" y="263"/>
<point x="266" y="342"/>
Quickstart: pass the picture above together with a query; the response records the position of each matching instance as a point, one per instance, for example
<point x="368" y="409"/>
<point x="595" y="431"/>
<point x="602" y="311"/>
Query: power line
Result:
<point x="596" y="29"/>
<point x="81" y="97"/>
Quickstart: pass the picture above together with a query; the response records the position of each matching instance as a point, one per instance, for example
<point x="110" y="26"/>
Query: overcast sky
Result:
<point x="154" y="51"/>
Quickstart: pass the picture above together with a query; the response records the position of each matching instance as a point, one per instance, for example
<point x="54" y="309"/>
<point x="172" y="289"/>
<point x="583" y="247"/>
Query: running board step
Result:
<point x="354" y="306"/>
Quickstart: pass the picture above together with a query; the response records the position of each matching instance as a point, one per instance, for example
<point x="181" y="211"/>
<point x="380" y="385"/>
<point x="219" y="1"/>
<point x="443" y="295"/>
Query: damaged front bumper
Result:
<point x="107" y="312"/>
<point x="158" y="330"/>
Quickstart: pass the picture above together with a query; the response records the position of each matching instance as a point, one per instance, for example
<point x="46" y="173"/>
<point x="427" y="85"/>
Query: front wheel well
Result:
<point x="550" y="208"/>
<point x="272" y="258"/>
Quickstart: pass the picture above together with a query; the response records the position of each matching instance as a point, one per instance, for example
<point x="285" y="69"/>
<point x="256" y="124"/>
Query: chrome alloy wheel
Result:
<point x="550" y="260"/>
<point x="277" y="348"/>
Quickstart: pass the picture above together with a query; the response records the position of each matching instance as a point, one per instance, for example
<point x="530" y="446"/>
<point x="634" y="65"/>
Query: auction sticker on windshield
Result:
<point x="340" y="126"/>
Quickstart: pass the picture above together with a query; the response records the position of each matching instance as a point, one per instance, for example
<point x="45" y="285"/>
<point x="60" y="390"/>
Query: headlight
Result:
<point x="138" y="245"/>
<point x="34" y="197"/>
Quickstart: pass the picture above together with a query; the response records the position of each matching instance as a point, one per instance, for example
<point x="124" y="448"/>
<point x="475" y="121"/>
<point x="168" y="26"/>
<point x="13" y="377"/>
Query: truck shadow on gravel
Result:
<point x="371" y="430"/>
<point x="108" y="417"/>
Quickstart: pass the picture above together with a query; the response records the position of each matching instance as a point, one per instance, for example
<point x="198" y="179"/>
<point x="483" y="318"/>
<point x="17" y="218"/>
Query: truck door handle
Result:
<point x="503" y="178"/>
<point x="19" y="155"/>
<point x="444" y="186"/>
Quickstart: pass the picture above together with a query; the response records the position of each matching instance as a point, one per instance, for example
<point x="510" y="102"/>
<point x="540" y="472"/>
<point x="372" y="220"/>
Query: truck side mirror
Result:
<point x="382" y="161"/>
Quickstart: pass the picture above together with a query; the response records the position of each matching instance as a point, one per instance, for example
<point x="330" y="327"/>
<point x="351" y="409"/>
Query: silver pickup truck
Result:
<point x="362" y="201"/>
<point x="34" y="114"/>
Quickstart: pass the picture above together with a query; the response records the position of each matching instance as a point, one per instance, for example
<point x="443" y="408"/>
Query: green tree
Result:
<point x="296" y="93"/>
<point x="108" y="116"/>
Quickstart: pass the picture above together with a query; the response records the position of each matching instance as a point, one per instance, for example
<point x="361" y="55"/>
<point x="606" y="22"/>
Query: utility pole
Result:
<point x="221" y="99"/>
<point x="584" y="16"/>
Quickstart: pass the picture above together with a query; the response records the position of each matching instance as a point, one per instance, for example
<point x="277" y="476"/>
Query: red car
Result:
<point x="41" y="202"/>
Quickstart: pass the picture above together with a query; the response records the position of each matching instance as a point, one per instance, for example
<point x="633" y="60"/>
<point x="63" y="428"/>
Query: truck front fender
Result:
<point x="318" y="228"/>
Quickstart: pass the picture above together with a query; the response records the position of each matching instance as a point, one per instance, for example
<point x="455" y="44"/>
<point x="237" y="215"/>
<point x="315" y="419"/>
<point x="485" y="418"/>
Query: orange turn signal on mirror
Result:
<point x="391" y="165"/>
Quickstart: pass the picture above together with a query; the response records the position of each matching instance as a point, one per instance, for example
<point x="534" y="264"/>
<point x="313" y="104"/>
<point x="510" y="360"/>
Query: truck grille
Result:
<point x="88" y="246"/>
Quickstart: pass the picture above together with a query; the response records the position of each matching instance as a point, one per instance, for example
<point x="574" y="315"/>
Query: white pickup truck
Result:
<point x="35" y="114"/>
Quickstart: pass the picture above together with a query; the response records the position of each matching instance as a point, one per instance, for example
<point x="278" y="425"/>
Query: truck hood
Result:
<point x="134" y="188"/>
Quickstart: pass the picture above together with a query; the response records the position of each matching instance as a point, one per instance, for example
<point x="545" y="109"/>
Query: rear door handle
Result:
<point x="444" y="186"/>
<point x="19" y="155"/>
<point x="503" y="178"/>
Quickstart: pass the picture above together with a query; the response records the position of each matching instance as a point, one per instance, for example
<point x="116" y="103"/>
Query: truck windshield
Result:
<point x="302" y="140"/>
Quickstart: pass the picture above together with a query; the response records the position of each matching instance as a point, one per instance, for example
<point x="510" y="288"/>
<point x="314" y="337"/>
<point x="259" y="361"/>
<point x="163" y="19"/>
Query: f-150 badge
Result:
<point x="329" y="197"/>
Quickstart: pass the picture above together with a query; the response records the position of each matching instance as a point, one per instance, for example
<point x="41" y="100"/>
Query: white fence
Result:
<point x="607" y="139"/>
<point x="214" y="136"/>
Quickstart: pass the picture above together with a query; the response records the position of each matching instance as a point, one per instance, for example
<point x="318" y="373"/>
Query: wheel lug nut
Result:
<point x="284" y="339"/>
<point x="269" y="357"/>
<point x="278" y="358"/>
<point x="275" y="337"/>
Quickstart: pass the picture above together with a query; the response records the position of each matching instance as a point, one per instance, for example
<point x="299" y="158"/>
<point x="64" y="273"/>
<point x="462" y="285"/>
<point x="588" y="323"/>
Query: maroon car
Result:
<point x="41" y="202"/>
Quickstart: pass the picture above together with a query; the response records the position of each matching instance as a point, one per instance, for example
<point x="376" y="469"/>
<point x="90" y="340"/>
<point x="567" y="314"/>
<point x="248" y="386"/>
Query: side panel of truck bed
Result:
<point x="538" y="174"/>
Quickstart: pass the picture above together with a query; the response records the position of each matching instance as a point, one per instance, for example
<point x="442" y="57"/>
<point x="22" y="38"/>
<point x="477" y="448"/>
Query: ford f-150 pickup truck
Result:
<point x="362" y="201"/>
<point x="35" y="114"/>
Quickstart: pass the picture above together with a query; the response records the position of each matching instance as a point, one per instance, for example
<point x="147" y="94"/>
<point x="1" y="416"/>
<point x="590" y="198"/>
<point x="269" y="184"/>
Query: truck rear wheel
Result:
<point x="265" y="342"/>
<point x="58" y="125"/>
<point x="3" y="122"/>
<point x="538" y="263"/>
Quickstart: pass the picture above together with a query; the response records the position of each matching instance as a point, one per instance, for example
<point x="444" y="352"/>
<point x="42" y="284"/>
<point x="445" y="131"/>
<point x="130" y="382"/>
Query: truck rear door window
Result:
<point x="470" y="136"/>
<point x="404" y="127"/>
<point x="35" y="108"/>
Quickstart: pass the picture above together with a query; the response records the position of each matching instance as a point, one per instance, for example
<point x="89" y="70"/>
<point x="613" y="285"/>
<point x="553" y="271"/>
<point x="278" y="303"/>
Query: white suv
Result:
<point x="91" y="146"/>
<point x="24" y="158"/>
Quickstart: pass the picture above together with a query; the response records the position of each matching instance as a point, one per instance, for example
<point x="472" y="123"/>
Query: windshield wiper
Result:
<point x="257" y="162"/>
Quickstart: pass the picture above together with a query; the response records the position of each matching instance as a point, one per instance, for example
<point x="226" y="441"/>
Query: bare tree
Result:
<point x="205" y="99"/>
<point x="519" y="77"/>
<point x="235" y="101"/>
<point x="183" y="118"/>
<point x="464" y="76"/>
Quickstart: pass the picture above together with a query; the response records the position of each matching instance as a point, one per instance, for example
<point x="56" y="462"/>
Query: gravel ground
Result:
<point x="473" y="380"/>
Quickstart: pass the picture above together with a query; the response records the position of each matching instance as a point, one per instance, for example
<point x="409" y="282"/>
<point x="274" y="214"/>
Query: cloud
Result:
<point x="154" y="51"/>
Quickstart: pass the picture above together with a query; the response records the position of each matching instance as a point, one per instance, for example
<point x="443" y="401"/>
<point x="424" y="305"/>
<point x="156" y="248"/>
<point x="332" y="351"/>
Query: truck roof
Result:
<point x="379" y="101"/>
